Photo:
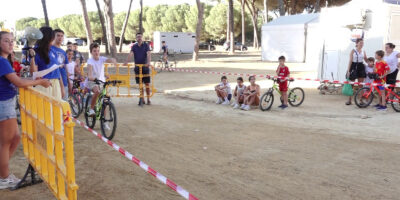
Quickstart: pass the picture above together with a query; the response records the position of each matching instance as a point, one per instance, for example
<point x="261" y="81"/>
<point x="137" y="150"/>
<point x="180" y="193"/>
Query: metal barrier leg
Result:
<point x="25" y="182"/>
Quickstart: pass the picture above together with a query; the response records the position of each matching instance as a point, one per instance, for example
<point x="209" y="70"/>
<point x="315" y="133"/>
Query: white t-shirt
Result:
<point x="228" y="89"/>
<point x="392" y="60"/>
<point x="358" y="57"/>
<point x="368" y="70"/>
<point x="98" y="67"/>
<point x="71" y="70"/>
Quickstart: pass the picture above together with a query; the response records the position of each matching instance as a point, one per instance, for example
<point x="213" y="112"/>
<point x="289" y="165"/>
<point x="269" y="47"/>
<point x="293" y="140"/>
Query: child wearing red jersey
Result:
<point x="382" y="69"/>
<point x="283" y="72"/>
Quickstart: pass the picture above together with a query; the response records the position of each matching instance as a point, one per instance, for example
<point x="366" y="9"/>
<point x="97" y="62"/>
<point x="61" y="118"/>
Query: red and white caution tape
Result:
<point x="185" y="194"/>
<point x="278" y="77"/>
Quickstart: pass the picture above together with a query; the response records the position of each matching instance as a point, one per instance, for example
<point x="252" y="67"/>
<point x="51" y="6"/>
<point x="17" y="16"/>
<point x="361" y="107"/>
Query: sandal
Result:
<point x="348" y="103"/>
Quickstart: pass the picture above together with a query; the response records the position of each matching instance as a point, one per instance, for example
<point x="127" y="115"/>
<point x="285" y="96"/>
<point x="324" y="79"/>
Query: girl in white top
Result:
<point x="239" y="93"/>
<point x="70" y="68"/>
<point x="224" y="91"/>
<point x="356" y="68"/>
<point x="392" y="59"/>
<point x="369" y="70"/>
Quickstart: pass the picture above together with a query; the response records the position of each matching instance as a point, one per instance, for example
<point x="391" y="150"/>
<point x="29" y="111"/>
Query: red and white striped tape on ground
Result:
<point x="185" y="194"/>
<point x="278" y="77"/>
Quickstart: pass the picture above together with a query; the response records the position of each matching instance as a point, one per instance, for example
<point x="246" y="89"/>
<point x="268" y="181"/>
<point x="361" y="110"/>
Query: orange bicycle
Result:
<point x="364" y="97"/>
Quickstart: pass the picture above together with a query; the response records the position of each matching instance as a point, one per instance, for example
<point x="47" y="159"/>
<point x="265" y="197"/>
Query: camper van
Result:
<point x="177" y="42"/>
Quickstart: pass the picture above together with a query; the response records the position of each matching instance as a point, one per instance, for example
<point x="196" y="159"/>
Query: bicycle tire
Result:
<point x="74" y="104"/>
<point x="368" y="99"/>
<point x="396" y="102"/>
<point x="158" y="65"/>
<point x="18" y="111"/>
<point x="266" y="101"/>
<point x="113" y="117"/>
<point x="79" y="96"/>
<point x="295" y="98"/>
<point x="90" y="120"/>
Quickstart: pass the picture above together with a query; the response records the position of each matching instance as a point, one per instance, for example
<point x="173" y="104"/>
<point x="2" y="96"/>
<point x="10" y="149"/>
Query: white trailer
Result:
<point x="177" y="42"/>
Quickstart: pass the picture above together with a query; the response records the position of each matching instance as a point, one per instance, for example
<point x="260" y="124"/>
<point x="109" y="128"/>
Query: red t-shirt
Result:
<point x="283" y="72"/>
<point x="17" y="67"/>
<point x="381" y="68"/>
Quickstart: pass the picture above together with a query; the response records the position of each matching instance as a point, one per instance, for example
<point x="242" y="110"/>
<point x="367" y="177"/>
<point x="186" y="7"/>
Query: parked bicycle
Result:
<point x="330" y="87"/>
<point x="160" y="65"/>
<point x="295" y="96"/>
<point x="104" y="109"/>
<point x="364" y="97"/>
<point x="76" y="98"/>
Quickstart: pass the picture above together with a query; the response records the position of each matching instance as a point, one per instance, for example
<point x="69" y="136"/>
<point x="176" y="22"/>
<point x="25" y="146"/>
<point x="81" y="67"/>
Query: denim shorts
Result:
<point x="7" y="109"/>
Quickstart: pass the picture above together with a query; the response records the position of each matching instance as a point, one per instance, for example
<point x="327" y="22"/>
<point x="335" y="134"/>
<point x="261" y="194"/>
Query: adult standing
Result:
<point x="142" y="55"/>
<point x="356" y="69"/>
<point x="392" y="59"/>
<point x="62" y="59"/>
<point x="44" y="59"/>
<point x="9" y="134"/>
<point x="78" y="57"/>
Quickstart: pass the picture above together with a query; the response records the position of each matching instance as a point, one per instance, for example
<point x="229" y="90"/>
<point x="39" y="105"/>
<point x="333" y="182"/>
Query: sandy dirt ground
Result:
<point x="320" y="150"/>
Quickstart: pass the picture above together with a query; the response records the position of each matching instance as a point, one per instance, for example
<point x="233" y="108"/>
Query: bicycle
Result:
<point x="160" y="64"/>
<point x="330" y="87"/>
<point x="295" y="96"/>
<point x="103" y="104"/>
<point x="364" y="97"/>
<point x="75" y="100"/>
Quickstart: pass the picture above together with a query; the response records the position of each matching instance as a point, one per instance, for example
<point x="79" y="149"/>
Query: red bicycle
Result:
<point x="364" y="97"/>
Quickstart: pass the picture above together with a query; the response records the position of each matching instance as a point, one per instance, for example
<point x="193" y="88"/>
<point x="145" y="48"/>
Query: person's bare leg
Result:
<point x="148" y="92"/>
<point x="251" y="100"/>
<point x="15" y="141"/>
<point x="94" y="97"/>
<point x="7" y="131"/>
<point x="285" y="98"/>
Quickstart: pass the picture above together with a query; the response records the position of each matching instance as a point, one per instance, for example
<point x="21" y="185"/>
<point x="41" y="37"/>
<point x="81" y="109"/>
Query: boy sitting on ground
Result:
<point x="382" y="69"/>
<point x="283" y="72"/>
<point x="224" y="91"/>
<point x="239" y="93"/>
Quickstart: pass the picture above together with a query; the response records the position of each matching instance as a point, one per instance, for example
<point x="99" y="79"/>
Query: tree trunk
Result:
<point x="231" y="27"/>
<point x="254" y="22"/>
<point x="46" y="18"/>
<point x="317" y="7"/>
<point x="109" y="15"/>
<point x="243" y="22"/>
<point x="103" y="28"/>
<point x="87" y="23"/>
<point x="265" y="11"/>
<point x="121" y="40"/>
<point x="281" y="7"/>
<point x="227" y="25"/>
<point x="141" y="17"/>
<point x="200" y="11"/>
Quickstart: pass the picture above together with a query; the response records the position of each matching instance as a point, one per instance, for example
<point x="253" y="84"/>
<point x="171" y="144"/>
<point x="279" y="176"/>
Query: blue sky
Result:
<point x="16" y="9"/>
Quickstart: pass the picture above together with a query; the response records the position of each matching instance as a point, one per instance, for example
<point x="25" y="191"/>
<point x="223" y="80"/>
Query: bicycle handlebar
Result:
<point x="113" y="82"/>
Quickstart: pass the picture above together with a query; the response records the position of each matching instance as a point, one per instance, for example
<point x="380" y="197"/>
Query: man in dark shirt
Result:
<point x="165" y="53"/>
<point x="142" y="55"/>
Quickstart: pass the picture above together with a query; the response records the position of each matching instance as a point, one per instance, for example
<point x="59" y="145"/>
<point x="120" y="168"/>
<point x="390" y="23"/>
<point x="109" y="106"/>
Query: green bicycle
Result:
<point x="104" y="109"/>
<point x="295" y="96"/>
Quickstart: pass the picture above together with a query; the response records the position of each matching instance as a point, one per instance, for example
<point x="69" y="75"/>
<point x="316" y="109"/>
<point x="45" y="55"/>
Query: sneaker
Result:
<point x="382" y="108"/>
<point x="247" y="108"/>
<point x="106" y="126"/>
<point x="377" y="105"/>
<point x="91" y="112"/>
<point x="284" y="107"/>
<point x="236" y="106"/>
<point x="141" y="102"/>
<point x="225" y="102"/>
<point x="280" y="106"/>
<point x="9" y="182"/>
<point x="243" y="106"/>
<point x="219" y="101"/>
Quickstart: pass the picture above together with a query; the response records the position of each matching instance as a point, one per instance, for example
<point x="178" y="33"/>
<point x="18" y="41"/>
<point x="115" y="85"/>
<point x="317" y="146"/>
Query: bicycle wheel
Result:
<point x="296" y="97"/>
<point x="79" y="97"/>
<point x="18" y="111"/>
<point x="266" y="101"/>
<point x="90" y="120"/>
<point x="158" y="65"/>
<point x="108" y="120"/>
<point x="396" y="102"/>
<point x="363" y="98"/>
<point x="74" y="104"/>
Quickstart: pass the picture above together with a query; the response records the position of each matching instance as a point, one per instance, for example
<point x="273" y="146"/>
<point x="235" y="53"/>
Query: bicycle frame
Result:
<point x="388" y="90"/>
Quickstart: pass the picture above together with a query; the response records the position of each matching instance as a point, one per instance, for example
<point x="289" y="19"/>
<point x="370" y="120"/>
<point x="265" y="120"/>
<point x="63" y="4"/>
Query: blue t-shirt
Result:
<point x="140" y="53"/>
<point x="62" y="60"/>
<point x="7" y="89"/>
<point x="42" y="65"/>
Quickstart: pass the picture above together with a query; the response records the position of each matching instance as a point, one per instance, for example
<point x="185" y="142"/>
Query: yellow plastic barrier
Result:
<point x="47" y="138"/>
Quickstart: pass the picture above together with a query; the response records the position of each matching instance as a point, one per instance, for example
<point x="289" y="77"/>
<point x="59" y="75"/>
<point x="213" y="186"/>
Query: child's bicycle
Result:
<point x="330" y="87"/>
<point x="104" y="109"/>
<point x="364" y="97"/>
<point x="76" y="98"/>
<point x="295" y="96"/>
<point x="170" y="66"/>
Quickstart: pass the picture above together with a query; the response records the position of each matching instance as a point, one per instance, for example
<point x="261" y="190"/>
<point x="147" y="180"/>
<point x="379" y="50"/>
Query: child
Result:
<point x="15" y="64"/>
<point x="224" y="91"/>
<point x="382" y="69"/>
<point x="239" y="93"/>
<point x="96" y="71"/>
<point x="283" y="72"/>
<point x="369" y="70"/>
<point x="251" y="94"/>
<point x="70" y="69"/>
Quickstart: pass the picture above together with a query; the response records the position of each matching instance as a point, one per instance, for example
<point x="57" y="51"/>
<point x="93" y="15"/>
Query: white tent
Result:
<point x="292" y="36"/>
